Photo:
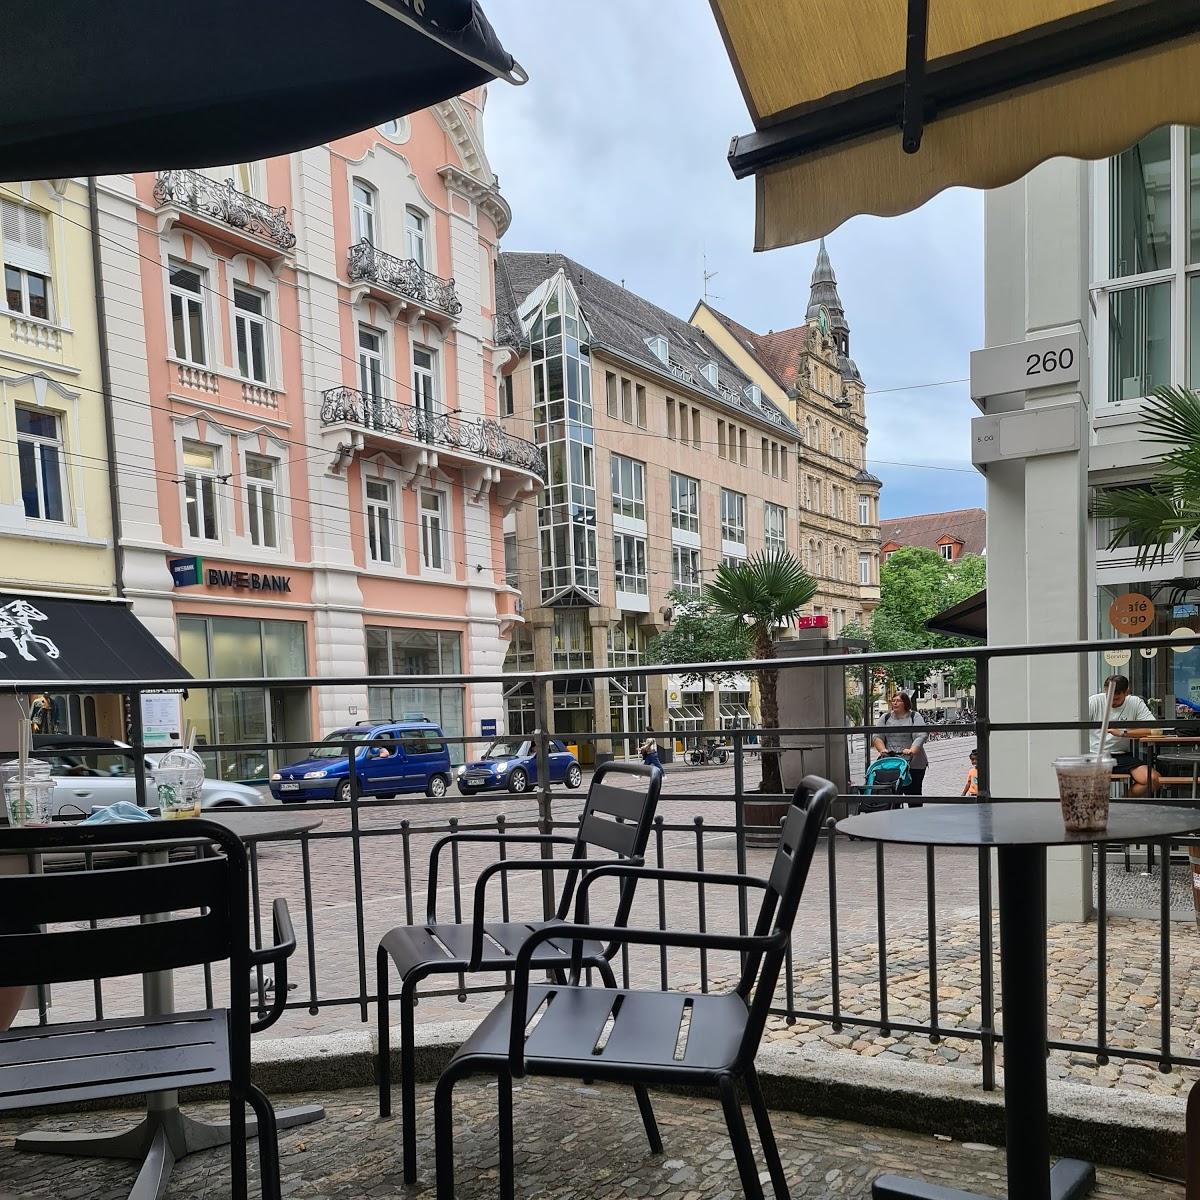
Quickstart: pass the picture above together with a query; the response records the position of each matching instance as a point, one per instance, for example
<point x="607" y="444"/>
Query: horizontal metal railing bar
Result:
<point x="740" y="667"/>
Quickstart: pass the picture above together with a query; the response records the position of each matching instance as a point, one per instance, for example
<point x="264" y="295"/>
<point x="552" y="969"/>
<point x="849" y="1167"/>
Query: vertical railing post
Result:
<point x="983" y="725"/>
<point x="136" y="734"/>
<point x="360" y="925"/>
<point x="739" y="821"/>
<point x="542" y="692"/>
<point x="868" y="718"/>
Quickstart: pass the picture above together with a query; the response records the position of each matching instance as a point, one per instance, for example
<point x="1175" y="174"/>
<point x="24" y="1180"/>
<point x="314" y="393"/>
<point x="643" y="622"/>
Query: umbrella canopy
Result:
<point x="875" y="106"/>
<point x="96" y="88"/>
<point x="966" y="619"/>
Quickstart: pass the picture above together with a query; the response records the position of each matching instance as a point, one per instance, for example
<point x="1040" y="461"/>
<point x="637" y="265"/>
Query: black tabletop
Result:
<point x="257" y="824"/>
<point x="1017" y="823"/>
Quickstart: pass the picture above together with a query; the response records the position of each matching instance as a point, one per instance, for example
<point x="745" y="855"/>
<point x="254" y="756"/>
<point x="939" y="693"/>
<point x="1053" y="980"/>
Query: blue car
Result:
<point x="395" y="757"/>
<point x="512" y="764"/>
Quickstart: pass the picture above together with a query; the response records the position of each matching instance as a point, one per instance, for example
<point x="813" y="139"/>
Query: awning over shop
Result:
<point x="966" y="619"/>
<point x="734" y="712"/>
<point x="48" y="640"/>
<point x="876" y="106"/>
<point x="686" y="712"/>
<point x="134" y="85"/>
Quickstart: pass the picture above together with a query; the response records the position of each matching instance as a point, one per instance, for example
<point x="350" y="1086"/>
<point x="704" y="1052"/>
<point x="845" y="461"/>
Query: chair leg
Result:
<point x="383" y="1064"/>
<point x="443" y="1125"/>
<point x="742" y="1150"/>
<point x="766" y="1135"/>
<point x="238" y="1181"/>
<point x="268" y="1143"/>
<point x="507" y="1145"/>
<point x="408" y="1082"/>
<point x="606" y="973"/>
<point x="647" y="1111"/>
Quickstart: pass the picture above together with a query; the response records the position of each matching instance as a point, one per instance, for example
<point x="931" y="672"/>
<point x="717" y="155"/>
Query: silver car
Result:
<point x="92" y="772"/>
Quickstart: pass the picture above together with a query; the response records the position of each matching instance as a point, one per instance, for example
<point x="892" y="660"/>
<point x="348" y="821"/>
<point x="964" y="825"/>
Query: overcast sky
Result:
<point x="614" y="153"/>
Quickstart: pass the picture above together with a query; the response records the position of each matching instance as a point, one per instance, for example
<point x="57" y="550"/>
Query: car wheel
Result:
<point x="466" y="789"/>
<point x="342" y="795"/>
<point x="436" y="787"/>
<point x="574" y="776"/>
<point x="518" y="781"/>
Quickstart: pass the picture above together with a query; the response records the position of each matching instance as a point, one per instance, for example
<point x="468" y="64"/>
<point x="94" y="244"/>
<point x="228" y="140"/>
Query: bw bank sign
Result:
<point x="190" y="572"/>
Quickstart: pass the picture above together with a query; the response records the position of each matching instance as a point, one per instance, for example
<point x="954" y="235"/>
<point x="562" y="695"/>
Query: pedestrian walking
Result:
<point x="905" y="736"/>
<point x="971" y="787"/>
<point x="648" y="749"/>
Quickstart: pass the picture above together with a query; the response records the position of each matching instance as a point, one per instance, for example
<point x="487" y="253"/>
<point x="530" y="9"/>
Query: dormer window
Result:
<point x="709" y="371"/>
<point x="658" y="347"/>
<point x="754" y="393"/>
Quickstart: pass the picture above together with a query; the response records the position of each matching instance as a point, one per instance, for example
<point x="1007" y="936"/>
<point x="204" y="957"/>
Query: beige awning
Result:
<point x="1002" y="86"/>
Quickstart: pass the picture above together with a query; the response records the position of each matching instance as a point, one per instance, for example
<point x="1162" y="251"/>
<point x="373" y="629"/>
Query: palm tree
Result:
<point x="765" y="591"/>
<point x="1152" y="515"/>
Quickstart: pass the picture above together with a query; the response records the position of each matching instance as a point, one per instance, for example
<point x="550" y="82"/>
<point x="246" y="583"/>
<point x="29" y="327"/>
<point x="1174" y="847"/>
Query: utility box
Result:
<point x="814" y="696"/>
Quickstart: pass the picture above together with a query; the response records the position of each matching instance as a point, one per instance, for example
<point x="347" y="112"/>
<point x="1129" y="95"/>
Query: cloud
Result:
<point x="614" y="153"/>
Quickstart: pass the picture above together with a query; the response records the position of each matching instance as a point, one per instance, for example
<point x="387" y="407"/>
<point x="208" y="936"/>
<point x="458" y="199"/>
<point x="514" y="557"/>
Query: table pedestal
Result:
<point x="1023" y="996"/>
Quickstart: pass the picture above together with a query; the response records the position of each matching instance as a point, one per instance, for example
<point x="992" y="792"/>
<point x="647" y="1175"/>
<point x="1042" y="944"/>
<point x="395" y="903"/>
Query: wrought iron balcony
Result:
<point x="483" y="438"/>
<point x="403" y="276"/>
<point x="223" y="202"/>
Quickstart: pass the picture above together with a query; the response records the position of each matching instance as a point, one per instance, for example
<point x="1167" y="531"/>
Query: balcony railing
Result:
<point x="483" y="438"/>
<point x="223" y="202"/>
<point x="404" y="276"/>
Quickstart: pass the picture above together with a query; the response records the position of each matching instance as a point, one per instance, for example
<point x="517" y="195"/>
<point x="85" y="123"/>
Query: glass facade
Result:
<point x="629" y="706"/>
<point x="562" y="414"/>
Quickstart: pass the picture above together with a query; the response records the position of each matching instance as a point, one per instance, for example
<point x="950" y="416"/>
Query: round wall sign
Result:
<point x="1181" y="632"/>
<point x="1149" y="651"/>
<point x="1117" y="658"/>
<point x="1131" y="613"/>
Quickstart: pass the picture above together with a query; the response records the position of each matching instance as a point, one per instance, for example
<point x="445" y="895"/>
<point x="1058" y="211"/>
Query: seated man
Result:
<point x="1126" y="709"/>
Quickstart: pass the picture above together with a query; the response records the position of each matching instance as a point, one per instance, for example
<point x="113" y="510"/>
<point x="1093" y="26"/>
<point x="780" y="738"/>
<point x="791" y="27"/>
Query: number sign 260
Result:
<point x="1051" y="360"/>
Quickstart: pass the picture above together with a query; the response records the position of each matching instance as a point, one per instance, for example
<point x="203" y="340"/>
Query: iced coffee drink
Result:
<point x="1084" y="781"/>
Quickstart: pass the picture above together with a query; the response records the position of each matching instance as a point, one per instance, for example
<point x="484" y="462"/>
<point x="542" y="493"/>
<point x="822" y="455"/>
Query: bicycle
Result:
<point x="711" y="752"/>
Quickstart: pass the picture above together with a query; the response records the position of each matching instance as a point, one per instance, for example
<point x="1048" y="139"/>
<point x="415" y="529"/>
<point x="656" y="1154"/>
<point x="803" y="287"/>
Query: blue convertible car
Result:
<point x="513" y="765"/>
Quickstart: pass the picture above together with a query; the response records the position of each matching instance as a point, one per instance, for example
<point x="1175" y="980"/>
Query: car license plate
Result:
<point x="289" y="787"/>
<point x="479" y="779"/>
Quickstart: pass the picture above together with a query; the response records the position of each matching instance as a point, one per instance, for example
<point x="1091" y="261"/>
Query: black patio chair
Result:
<point x="50" y="1065"/>
<point x="648" y="1037"/>
<point x="615" y="819"/>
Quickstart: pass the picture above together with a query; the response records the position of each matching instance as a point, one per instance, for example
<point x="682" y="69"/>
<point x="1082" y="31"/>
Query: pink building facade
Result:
<point x="312" y="480"/>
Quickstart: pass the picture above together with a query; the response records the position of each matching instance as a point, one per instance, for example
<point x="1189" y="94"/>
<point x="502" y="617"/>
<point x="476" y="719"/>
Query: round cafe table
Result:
<point x="1019" y="831"/>
<point x="166" y="1134"/>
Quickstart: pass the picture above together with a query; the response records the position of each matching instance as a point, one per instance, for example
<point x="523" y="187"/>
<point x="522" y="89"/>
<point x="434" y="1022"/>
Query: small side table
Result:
<point x="1019" y="832"/>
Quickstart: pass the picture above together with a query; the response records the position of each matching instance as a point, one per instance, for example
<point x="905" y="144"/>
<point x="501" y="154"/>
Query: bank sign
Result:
<point x="189" y="572"/>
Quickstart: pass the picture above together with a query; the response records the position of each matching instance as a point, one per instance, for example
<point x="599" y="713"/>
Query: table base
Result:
<point x="1070" y="1179"/>
<point x="160" y="1139"/>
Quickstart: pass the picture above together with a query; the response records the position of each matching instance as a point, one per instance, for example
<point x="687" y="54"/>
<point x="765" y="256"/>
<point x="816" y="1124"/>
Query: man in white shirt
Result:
<point x="1127" y="710"/>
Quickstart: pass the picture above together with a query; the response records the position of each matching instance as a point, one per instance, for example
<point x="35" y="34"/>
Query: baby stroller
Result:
<point x="885" y="777"/>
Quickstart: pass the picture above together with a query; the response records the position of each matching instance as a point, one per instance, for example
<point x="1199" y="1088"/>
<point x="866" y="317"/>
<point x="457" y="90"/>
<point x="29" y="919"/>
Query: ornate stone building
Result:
<point x="808" y="372"/>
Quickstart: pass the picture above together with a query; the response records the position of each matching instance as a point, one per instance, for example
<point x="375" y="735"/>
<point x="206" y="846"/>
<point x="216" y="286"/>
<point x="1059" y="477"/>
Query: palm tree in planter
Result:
<point x="1166" y="508"/>
<point x="766" y="591"/>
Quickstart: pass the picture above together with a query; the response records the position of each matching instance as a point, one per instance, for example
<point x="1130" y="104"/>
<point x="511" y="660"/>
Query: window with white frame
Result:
<point x="947" y="551"/>
<point x="1151" y="267"/>
<point x="250" y="329"/>
<point x="370" y="362"/>
<point x="657" y="346"/>
<point x="434" y="555"/>
<point x="363" y="210"/>
<point x="200" y="478"/>
<point x="25" y="246"/>
<point x="711" y="373"/>
<point x="685" y="568"/>
<point x="685" y="503"/>
<point x="733" y="517"/>
<point x="628" y="487"/>
<point x="188" y="313"/>
<point x="864" y="510"/>
<point x="775" y="528"/>
<point x="864" y="569"/>
<point x="425" y="392"/>
<point x="41" y="457"/>
<point x="629" y="561"/>
<point x="262" y="501"/>
<point x="415" y="225"/>
<point x="380" y="520"/>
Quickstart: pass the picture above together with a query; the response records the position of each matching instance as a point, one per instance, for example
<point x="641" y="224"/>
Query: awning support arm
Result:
<point x="912" y="120"/>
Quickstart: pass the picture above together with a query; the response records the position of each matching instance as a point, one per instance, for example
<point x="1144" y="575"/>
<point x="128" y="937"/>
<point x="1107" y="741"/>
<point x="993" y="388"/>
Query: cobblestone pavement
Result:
<point x="580" y="1142"/>
<point x="696" y="813"/>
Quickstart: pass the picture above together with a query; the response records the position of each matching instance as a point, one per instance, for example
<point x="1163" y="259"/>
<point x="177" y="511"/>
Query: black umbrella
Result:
<point x="96" y="87"/>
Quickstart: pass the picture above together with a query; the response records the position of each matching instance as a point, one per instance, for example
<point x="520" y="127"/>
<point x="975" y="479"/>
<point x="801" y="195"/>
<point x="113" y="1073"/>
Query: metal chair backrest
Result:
<point x="209" y="892"/>
<point x="797" y="844"/>
<point x="616" y="819"/>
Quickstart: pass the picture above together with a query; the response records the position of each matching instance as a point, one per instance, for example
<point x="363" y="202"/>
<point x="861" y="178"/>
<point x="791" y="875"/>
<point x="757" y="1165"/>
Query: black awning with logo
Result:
<point x="47" y="640"/>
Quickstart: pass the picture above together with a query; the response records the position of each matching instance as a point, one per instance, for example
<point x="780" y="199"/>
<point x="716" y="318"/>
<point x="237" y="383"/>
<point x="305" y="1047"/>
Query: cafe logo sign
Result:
<point x="16" y="624"/>
<point x="1131" y="613"/>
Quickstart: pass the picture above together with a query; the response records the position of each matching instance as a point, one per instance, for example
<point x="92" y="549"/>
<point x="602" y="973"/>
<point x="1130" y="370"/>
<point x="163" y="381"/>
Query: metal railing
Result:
<point x="367" y="827"/>
<point x="223" y="202"/>
<point x="404" y="276"/>
<point x="483" y="438"/>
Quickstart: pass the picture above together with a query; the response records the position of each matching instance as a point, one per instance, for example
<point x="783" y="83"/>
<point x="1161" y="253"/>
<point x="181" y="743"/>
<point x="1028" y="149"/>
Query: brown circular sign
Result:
<point x="1131" y="613"/>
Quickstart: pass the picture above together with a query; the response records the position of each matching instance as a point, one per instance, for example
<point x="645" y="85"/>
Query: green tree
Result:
<point x="763" y="593"/>
<point x="699" y="636"/>
<point x="1155" y="514"/>
<point x="914" y="585"/>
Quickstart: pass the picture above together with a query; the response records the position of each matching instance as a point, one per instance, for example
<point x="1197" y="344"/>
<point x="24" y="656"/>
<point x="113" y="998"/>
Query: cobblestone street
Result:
<point x="571" y="1141"/>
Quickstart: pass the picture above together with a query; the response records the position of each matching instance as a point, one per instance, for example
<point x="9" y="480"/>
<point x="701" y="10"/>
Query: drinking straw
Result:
<point x="1109" y="688"/>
